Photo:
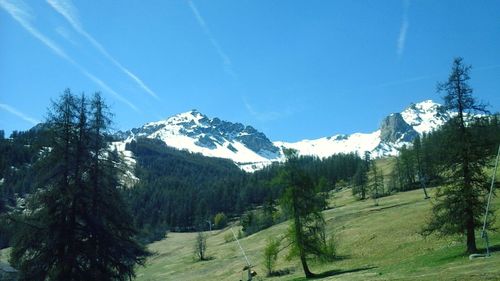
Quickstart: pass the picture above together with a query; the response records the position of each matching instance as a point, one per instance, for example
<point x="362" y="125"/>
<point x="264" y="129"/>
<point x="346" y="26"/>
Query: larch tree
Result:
<point x="460" y="203"/>
<point x="304" y="206"/>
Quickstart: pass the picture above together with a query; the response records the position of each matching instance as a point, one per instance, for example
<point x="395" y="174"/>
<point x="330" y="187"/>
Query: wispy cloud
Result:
<point x="226" y="61"/>
<point x="265" y="116"/>
<point x="107" y="88"/>
<point x="70" y="13"/>
<point x="22" y="14"/>
<point x="18" y="113"/>
<point x="403" y="29"/>
<point x="403" y="81"/>
<point x="66" y="34"/>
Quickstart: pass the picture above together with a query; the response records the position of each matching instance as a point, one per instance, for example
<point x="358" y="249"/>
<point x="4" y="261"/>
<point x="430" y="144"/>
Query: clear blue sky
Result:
<point x="292" y="69"/>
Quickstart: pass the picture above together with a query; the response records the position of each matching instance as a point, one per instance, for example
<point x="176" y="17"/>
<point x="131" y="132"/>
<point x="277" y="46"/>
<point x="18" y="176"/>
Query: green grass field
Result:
<point x="374" y="243"/>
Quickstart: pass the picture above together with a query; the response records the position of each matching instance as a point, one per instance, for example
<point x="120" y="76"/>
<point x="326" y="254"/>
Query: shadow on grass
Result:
<point x="381" y="208"/>
<point x="493" y="248"/>
<point x="448" y="255"/>
<point x="209" y="258"/>
<point x="281" y="272"/>
<point x="335" y="272"/>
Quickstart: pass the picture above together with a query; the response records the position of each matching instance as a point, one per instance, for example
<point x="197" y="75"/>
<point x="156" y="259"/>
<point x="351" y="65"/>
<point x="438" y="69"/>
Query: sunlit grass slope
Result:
<point x="374" y="243"/>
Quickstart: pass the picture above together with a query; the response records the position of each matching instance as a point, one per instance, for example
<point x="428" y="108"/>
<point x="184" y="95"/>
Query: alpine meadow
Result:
<point x="232" y="140"/>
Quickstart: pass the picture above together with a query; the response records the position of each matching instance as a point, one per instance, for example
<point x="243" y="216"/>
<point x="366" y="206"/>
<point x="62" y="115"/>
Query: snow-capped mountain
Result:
<point x="396" y="130"/>
<point x="251" y="150"/>
<point x="195" y="132"/>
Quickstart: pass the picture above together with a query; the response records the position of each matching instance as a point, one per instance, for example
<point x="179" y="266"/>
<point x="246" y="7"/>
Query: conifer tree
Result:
<point x="417" y="147"/>
<point x="304" y="206"/>
<point x="77" y="227"/>
<point x="377" y="183"/>
<point x="360" y="177"/>
<point x="460" y="203"/>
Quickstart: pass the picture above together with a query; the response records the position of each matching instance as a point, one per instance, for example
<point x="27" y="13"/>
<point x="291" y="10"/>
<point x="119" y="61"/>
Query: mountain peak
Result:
<point x="425" y="116"/>
<point x="195" y="132"/>
<point x="252" y="150"/>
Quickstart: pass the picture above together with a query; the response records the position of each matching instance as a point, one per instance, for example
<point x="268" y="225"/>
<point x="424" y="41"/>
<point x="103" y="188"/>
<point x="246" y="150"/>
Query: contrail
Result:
<point x="69" y="12"/>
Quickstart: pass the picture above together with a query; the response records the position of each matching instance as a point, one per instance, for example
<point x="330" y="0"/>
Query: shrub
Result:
<point x="220" y="221"/>
<point x="271" y="255"/>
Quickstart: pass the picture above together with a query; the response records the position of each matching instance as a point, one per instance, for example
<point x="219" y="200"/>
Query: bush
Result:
<point x="271" y="255"/>
<point x="220" y="221"/>
<point x="228" y="237"/>
<point x="257" y="220"/>
<point x="200" y="246"/>
<point x="329" y="251"/>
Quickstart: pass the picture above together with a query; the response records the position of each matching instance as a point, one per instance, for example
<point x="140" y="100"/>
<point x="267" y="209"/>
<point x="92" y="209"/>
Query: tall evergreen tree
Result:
<point x="376" y="183"/>
<point x="304" y="206"/>
<point x="360" y="177"/>
<point x="460" y="203"/>
<point x="417" y="147"/>
<point x="76" y="227"/>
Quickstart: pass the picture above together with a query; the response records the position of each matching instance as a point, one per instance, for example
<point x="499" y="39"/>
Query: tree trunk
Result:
<point x="471" y="236"/>
<point x="303" y="261"/>
<point x="299" y="239"/>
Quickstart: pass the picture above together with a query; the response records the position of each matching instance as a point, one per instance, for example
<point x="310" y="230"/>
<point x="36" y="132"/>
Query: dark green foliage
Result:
<point x="257" y="220"/>
<point x="407" y="169"/>
<point x="417" y="147"/>
<point x="177" y="188"/>
<point x="76" y="226"/>
<point x="360" y="178"/>
<point x="459" y="205"/>
<point x="376" y="183"/>
<point x="304" y="206"/>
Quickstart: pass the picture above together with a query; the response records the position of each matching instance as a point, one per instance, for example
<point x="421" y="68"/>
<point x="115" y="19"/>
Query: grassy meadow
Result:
<point x="373" y="243"/>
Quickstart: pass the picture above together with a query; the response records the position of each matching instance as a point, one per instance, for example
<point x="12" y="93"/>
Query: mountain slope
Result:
<point x="251" y="150"/>
<point x="195" y="132"/>
<point x="396" y="130"/>
<point x="373" y="243"/>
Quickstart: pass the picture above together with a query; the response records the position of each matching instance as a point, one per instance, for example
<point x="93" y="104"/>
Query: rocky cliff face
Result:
<point x="395" y="129"/>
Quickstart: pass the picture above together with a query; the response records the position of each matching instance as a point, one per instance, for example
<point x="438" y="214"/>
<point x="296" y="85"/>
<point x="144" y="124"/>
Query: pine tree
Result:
<point x="460" y="203"/>
<point x="77" y="227"/>
<point x="417" y="147"/>
<point x="360" y="178"/>
<point x="408" y="167"/>
<point x="377" y="183"/>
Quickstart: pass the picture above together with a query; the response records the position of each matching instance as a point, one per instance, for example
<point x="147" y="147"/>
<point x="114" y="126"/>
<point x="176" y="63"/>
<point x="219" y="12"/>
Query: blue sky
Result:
<point x="292" y="69"/>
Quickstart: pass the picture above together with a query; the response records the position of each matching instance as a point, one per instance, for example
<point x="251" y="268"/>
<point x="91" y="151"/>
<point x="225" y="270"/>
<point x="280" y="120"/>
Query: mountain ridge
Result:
<point x="251" y="150"/>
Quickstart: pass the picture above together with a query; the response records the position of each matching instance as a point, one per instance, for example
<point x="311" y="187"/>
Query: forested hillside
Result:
<point x="177" y="190"/>
<point x="181" y="191"/>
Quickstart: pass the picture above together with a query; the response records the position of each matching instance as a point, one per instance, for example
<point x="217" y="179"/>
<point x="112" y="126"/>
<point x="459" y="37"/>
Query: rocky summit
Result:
<point x="395" y="129"/>
<point x="252" y="150"/>
<point x="213" y="137"/>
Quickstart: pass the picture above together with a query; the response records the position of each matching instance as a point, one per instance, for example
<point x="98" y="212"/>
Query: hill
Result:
<point x="375" y="243"/>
